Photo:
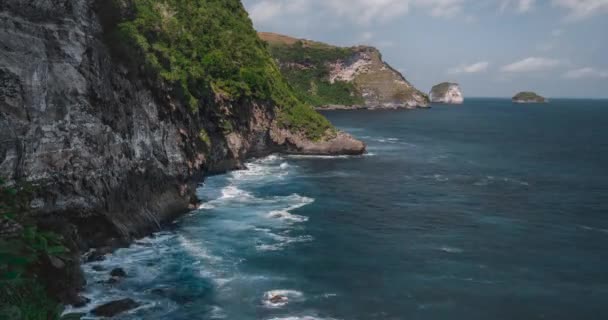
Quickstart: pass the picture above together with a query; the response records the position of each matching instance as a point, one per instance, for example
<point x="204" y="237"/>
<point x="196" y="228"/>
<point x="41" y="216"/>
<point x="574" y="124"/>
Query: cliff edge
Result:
<point x="331" y="77"/>
<point x="115" y="110"/>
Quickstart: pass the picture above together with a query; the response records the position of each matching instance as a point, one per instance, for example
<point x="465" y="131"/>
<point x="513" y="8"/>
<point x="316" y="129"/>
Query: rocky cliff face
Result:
<point x="342" y="78"/>
<point x="448" y="93"/>
<point x="114" y="153"/>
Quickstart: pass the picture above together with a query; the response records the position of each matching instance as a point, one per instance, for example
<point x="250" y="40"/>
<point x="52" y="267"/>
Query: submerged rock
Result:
<point x="113" y="308"/>
<point x="118" y="273"/>
<point x="446" y="92"/>
<point x="528" y="97"/>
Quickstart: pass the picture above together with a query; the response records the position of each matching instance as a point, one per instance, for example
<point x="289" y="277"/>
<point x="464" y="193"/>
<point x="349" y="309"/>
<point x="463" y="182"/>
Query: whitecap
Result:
<point x="311" y="156"/>
<point x="280" y="298"/>
<point x="232" y="192"/>
<point x="451" y="250"/>
<point x="206" y="206"/>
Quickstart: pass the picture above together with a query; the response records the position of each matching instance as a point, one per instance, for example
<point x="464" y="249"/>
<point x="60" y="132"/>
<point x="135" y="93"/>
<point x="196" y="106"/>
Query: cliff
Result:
<point x="327" y="76"/>
<point x="115" y="110"/>
<point x="448" y="93"/>
<point x="528" y="97"/>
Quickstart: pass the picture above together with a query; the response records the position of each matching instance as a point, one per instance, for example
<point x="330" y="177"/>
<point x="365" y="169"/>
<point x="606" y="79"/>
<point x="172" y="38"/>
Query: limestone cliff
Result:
<point x="448" y="93"/>
<point x="116" y="133"/>
<point x="347" y="78"/>
<point x="528" y="97"/>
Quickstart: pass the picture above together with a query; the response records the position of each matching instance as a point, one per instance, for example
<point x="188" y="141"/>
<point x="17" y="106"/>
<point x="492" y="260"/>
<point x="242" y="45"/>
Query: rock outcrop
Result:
<point x="446" y="92"/>
<point x="528" y="97"/>
<point x="113" y="152"/>
<point x="331" y="77"/>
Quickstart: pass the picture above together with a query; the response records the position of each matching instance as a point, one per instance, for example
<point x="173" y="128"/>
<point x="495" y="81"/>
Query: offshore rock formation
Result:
<point x="528" y="97"/>
<point x="446" y="92"/>
<point x="331" y="77"/>
<point x="113" y="152"/>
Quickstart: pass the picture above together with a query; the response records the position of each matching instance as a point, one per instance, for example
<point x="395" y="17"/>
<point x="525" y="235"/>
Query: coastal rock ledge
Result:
<point x="446" y="92"/>
<point x="529" y="97"/>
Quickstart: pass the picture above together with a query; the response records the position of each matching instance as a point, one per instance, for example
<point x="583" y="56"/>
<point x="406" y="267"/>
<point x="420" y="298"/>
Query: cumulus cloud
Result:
<point x="519" y="5"/>
<point x="266" y="10"/>
<point x="470" y="68"/>
<point x="580" y="9"/>
<point x="586" y="73"/>
<point x="531" y="64"/>
<point x="358" y="11"/>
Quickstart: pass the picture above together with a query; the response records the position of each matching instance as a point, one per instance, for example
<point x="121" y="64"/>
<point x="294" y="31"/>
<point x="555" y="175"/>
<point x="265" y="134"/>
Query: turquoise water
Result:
<point x="482" y="211"/>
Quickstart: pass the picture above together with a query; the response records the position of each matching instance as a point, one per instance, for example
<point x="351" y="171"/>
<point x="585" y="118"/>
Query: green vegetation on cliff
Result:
<point x="209" y="49"/>
<point x="23" y="250"/>
<point x="304" y="65"/>
<point x="527" y="96"/>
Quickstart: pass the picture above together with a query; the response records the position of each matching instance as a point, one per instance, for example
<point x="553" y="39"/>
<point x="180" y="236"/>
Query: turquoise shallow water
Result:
<point x="482" y="211"/>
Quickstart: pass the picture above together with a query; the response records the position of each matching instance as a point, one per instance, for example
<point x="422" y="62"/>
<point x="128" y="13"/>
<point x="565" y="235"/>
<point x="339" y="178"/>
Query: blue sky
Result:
<point x="493" y="48"/>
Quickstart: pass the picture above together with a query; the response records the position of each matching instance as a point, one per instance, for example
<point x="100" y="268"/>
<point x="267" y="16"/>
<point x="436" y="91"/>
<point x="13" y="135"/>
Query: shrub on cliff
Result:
<point x="305" y="66"/>
<point x="209" y="49"/>
<point x="22" y="249"/>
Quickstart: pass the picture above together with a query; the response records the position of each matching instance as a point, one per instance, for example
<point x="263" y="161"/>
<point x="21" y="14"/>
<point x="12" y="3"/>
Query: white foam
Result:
<point x="451" y="250"/>
<point x="283" y="242"/>
<point x="311" y="156"/>
<point x="286" y="215"/>
<point x="197" y="250"/>
<point x="284" y="297"/>
<point x="231" y="192"/>
<point x="206" y="206"/>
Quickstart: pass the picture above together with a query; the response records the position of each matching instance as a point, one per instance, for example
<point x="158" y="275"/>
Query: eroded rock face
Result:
<point x="111" y="152"/>
<point x="448" y="93"/>
<point x="375" y="84"/>
<point x="380" y="85"/>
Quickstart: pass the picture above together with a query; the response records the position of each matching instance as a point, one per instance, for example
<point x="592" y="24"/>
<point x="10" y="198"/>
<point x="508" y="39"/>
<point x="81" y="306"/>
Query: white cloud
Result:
<point x="521" y="6"/>
<point x="580" y="9"/>
<point x="557" y="32"/>
<point x="266" y="10"/>
<point x="586" y="73"/>
<point x="472" y="68"/>
<point x="531" y="64"/>
<point x="359" y="11"/>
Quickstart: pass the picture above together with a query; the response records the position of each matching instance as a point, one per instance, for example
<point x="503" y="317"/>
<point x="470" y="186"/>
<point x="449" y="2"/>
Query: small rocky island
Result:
<point x="528" y="97"/>
<point x="446" y="92"/>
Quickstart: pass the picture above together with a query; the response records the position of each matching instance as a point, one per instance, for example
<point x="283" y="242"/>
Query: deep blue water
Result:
<point x="487" y="210"/>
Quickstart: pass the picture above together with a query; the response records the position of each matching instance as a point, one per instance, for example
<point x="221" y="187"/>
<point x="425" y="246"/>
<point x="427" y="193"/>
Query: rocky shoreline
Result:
<point x="112" y="153"/>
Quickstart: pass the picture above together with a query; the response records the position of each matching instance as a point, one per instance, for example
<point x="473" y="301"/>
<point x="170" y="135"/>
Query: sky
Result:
<point x="492" y="48"/>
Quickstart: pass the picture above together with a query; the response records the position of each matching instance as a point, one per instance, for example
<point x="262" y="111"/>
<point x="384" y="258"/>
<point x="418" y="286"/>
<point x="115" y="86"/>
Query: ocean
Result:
<point x="486" y="210"/>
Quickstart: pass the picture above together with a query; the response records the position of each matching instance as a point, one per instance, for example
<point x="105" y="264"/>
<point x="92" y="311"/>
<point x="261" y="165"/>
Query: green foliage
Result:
<point x="204" y="137"/>
<point x="305" y="66"/>
<point x="21" y="295"/>
<point x="27" y="300"/>
<point x="207" y="48"/>
<point x="528" y="96"/>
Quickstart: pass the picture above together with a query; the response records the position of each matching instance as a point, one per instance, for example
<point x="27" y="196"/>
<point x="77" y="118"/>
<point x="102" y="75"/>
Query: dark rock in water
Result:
<point x="81" y="302"/>
<point x="99" y="254"/>
<point x="278" y="299"/>
<point x="119" y="273"/>
<point x="113" y="308"/>
<point x="113" y="280"/>
<point x="98" y="268"/>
